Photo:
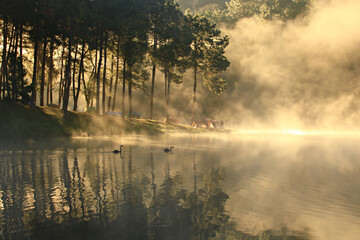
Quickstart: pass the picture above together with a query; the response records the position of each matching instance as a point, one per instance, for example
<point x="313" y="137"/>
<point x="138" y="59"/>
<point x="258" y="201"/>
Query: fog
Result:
<point x="302" y="74"/>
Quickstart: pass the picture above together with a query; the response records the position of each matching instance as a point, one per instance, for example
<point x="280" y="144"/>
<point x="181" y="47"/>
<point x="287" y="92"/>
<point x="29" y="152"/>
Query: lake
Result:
<point x="226" y="186"/>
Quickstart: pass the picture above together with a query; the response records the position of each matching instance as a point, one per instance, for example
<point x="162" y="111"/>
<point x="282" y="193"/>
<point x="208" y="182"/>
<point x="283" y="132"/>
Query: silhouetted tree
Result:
<point x="207" y="57"/>
<point x="173" y="48"/>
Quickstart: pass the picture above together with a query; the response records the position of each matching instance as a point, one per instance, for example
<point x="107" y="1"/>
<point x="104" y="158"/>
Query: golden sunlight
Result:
<point x="293" y="131"/>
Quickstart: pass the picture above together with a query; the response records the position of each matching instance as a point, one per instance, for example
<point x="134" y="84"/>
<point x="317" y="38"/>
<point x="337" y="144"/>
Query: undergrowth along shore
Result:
<point x="20" y="121"/>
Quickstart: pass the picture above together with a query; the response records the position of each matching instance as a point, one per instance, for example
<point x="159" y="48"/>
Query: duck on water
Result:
<point x="166" y="150"/>
<point x="169" y="150"/>
<point x="118" y="151"/>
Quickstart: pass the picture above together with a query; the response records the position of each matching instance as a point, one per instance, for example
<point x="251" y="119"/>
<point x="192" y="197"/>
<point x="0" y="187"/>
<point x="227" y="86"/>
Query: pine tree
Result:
<point x="207" y="57"/>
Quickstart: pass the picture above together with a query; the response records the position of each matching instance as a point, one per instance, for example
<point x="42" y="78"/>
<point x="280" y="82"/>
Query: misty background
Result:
<point x="299" y="74"/>
<point x="302" y="73"/>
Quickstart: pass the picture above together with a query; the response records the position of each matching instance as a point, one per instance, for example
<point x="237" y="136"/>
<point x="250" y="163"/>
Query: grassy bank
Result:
<point x="19" y="121"/>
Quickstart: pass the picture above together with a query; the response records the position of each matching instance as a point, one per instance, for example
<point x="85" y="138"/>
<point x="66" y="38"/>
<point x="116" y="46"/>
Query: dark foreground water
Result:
<point x="225" y="187"/>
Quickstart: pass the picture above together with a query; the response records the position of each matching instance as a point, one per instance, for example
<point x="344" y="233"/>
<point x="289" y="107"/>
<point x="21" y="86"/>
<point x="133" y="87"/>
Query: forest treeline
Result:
<point x="96" y="48"/>
<point x="229" y="12"/>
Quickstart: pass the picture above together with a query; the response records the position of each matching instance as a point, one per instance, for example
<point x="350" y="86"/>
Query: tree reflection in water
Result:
<point x="82" y="194"/>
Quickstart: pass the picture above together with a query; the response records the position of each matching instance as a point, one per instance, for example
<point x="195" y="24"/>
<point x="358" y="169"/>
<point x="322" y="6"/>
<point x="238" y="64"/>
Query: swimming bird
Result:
<point x="118" y="151"/>
<point x="169" y="150"/>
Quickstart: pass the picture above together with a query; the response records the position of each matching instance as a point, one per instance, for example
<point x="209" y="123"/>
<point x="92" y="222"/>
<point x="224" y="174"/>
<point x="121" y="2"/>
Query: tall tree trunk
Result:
<point x="90" y="84"/>
<point x="17" y="72"/>
<point x="168" y="97"/>
<point x="153" y="79"/>
<point x="95" y="72"/>
<point x="16" y="40"/>
<point x="130" y="94"/>
<point x="10" y="50"/>
<point x="166" y="86"/>
<point x="79" y="76"/>
<point x="117" y="72"/>
<point x="33" y="83"/>
<point x="104" y="73"/>
<point x="111" y="81"/>
<point x="11" y="40"/>
<point x="74" y="70"/>
<point x="42" y="82"/>
<point x="98" y="79"/>
<point x="21" y="64"/>
<point x="166" y="78"/>
<point x="96" y="59"/>
<point x="194" y="92"/>
<point x="67" y="83"/>
<point x="4" y="57"/>
<point x="123" y="92"/>
<point x="49" y="98"/>
<point x="87" y="97"/>
<point x="61" y="83"/>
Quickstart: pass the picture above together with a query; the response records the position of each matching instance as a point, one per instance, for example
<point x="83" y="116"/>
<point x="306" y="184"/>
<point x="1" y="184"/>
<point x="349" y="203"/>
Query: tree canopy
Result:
<point x="230" y="11"/>
<point x="89" y="46"/>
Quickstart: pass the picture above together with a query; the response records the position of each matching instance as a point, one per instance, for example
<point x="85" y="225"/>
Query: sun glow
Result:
<point x="293" y="131"/>
<point x="297" y="132"/>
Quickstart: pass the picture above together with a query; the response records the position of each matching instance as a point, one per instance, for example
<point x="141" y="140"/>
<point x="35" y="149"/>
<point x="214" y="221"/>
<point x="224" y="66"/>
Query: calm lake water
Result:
<point x="212" y="187"/>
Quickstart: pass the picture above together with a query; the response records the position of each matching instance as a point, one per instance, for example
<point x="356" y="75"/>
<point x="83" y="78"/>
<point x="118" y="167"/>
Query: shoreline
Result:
<point x="18" y="121"/>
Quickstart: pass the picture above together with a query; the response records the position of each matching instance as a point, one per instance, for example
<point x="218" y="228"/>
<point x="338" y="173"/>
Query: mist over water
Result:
<point x="220" y="186"/>
<point x="303" y="74"/>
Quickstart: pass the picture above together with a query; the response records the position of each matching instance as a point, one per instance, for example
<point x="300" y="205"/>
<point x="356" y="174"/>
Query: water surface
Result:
<point x="212" y="187"/>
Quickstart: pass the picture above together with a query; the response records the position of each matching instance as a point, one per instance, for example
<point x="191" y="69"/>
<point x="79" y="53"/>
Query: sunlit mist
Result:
<point x="255" y="184"/>
<point x="303" y="74"/>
